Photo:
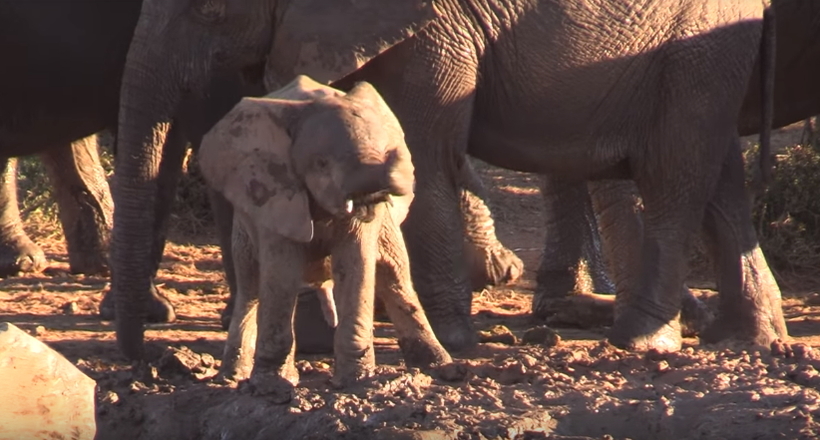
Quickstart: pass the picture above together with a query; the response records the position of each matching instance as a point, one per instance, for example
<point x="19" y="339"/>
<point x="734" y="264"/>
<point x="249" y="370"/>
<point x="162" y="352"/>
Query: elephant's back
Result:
<point x="62" y="64"/>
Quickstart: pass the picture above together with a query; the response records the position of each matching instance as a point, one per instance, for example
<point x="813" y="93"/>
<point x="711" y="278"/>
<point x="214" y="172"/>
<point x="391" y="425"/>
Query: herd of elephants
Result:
<point x="631" y="111"/>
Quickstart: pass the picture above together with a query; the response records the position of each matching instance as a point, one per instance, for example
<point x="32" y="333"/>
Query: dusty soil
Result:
<point x="580" y="388"/>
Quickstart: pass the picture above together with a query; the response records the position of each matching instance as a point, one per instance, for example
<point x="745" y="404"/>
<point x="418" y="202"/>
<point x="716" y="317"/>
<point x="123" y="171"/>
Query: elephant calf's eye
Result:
<point x="322" y="163"/>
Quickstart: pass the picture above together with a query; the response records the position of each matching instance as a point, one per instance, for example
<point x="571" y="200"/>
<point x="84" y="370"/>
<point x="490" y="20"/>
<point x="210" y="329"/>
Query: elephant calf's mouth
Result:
<point x="362" y="206"/>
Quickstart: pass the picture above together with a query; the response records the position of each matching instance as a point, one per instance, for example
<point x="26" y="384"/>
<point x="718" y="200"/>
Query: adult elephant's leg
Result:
<point x="157" y="308"/>
<point x="84" y="200"/>
<point x="17" y="252"/>
<point x="433" y="100"/>
<point x="647" y="311"/>
<point x="750" y="305"/>
<point x="618" y="208"/>
<point x="490" y="262"/>
<point x="572" y="266"/>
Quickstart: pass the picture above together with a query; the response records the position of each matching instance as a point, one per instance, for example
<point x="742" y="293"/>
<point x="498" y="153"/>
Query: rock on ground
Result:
<point x="44" y="396"/>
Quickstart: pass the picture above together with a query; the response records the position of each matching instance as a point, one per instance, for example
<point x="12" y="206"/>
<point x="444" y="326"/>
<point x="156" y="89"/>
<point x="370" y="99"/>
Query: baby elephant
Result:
<point x="313" y="172"/>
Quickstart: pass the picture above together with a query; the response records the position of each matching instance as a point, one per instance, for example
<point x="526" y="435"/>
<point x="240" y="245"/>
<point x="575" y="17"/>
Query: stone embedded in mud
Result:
<point x="499" y="334"/>
<point x="44" y="395"/>
<point x="542" y="335"/>
<point x="186" y="362"/>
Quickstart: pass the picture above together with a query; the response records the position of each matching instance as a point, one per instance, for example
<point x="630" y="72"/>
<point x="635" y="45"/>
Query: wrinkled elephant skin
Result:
<point x="313" y="172"/>
<point x="796" y="97"/>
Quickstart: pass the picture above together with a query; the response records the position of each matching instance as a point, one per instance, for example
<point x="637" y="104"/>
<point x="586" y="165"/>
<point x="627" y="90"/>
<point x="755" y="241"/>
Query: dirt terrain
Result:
<point x="510" y="389"/>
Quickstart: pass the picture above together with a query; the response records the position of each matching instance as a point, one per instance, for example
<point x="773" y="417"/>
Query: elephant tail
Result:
<point x="767" y="71"/>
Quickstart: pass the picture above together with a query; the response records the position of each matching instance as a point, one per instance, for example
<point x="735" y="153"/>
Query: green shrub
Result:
<point x="787" y="214"/>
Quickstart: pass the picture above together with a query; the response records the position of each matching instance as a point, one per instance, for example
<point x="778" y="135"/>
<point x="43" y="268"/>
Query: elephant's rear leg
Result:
<point x="490" y="262"/>
<point x="17" y="252"/>
<point x="572" y="267"/>
<point x="750" y="306"/>
<point x="648" y="303"/>
<point x="84" y="201"/>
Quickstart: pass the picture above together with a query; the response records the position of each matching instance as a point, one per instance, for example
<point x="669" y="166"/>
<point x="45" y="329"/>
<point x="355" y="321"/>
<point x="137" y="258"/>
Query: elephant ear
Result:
<point x="246" y="156"/>
<point x="329" y="39"/>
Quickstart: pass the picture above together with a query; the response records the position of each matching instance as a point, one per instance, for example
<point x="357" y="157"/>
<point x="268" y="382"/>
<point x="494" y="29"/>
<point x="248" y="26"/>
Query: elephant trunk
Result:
<point x="148" y="99"/>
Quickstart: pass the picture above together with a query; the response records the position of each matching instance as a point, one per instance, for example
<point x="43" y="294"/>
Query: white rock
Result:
<point x="42" y="395"/>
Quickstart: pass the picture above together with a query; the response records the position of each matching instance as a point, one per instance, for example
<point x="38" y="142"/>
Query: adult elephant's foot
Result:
<point x="639" y="331"/>
<point x="695" y="315"/>
<point x="557" y="288"/>
<point x="492" y="265"/>
<point x="760" y="333"/>
<point x="753" y="314"/>
<point x="19" y="254"/>
<point x="456" y="333"/>
<point x="158" y="309"/>
<point x="89" y="263"/>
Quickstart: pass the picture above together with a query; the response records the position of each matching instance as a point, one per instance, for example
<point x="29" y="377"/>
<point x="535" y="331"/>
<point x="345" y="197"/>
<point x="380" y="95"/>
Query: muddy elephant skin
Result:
<point x="313" y="172"/>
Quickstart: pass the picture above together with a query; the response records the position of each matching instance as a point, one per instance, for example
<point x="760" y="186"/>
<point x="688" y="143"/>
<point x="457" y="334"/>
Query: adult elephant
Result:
<point x="57" y="92"/>
<point x="548" y="86"/>
<point x="573" y="263"/>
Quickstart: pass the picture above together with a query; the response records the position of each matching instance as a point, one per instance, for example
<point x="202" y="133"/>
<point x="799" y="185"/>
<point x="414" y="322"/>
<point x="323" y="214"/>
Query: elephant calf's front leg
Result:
<point x="240" y="347"/>
<point x="353" y="260"/>
<point x="395" y="288"/>
<point x="274" y="372"/>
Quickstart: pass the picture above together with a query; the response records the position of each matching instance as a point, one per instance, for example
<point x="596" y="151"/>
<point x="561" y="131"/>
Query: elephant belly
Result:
<point x="576" y="89"/>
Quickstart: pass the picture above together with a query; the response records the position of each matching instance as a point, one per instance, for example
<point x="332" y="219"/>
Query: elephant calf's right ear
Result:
<point x="246" y="157"/>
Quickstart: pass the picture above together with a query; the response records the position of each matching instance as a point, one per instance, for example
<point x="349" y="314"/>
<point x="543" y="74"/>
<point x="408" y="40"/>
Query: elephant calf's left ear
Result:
<point x="246" y="157"/>
<point x="329" y="39"/>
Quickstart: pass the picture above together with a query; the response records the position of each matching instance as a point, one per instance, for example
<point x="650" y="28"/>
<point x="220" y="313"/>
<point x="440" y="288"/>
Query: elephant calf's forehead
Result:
<point x="359" y="125"/>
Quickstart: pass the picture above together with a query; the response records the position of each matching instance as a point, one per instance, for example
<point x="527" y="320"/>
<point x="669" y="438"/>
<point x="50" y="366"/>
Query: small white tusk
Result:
<point x="349" y="206"/>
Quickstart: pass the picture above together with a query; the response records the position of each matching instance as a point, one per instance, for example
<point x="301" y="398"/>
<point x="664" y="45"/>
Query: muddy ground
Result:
<point x="580" y="388"/>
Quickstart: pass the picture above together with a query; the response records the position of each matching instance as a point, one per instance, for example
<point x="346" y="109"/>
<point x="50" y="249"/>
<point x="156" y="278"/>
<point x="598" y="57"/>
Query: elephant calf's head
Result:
<point x="269" y="155"/>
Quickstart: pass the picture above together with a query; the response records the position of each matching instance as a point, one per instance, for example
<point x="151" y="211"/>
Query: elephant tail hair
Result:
<point x="767" y="71"/>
